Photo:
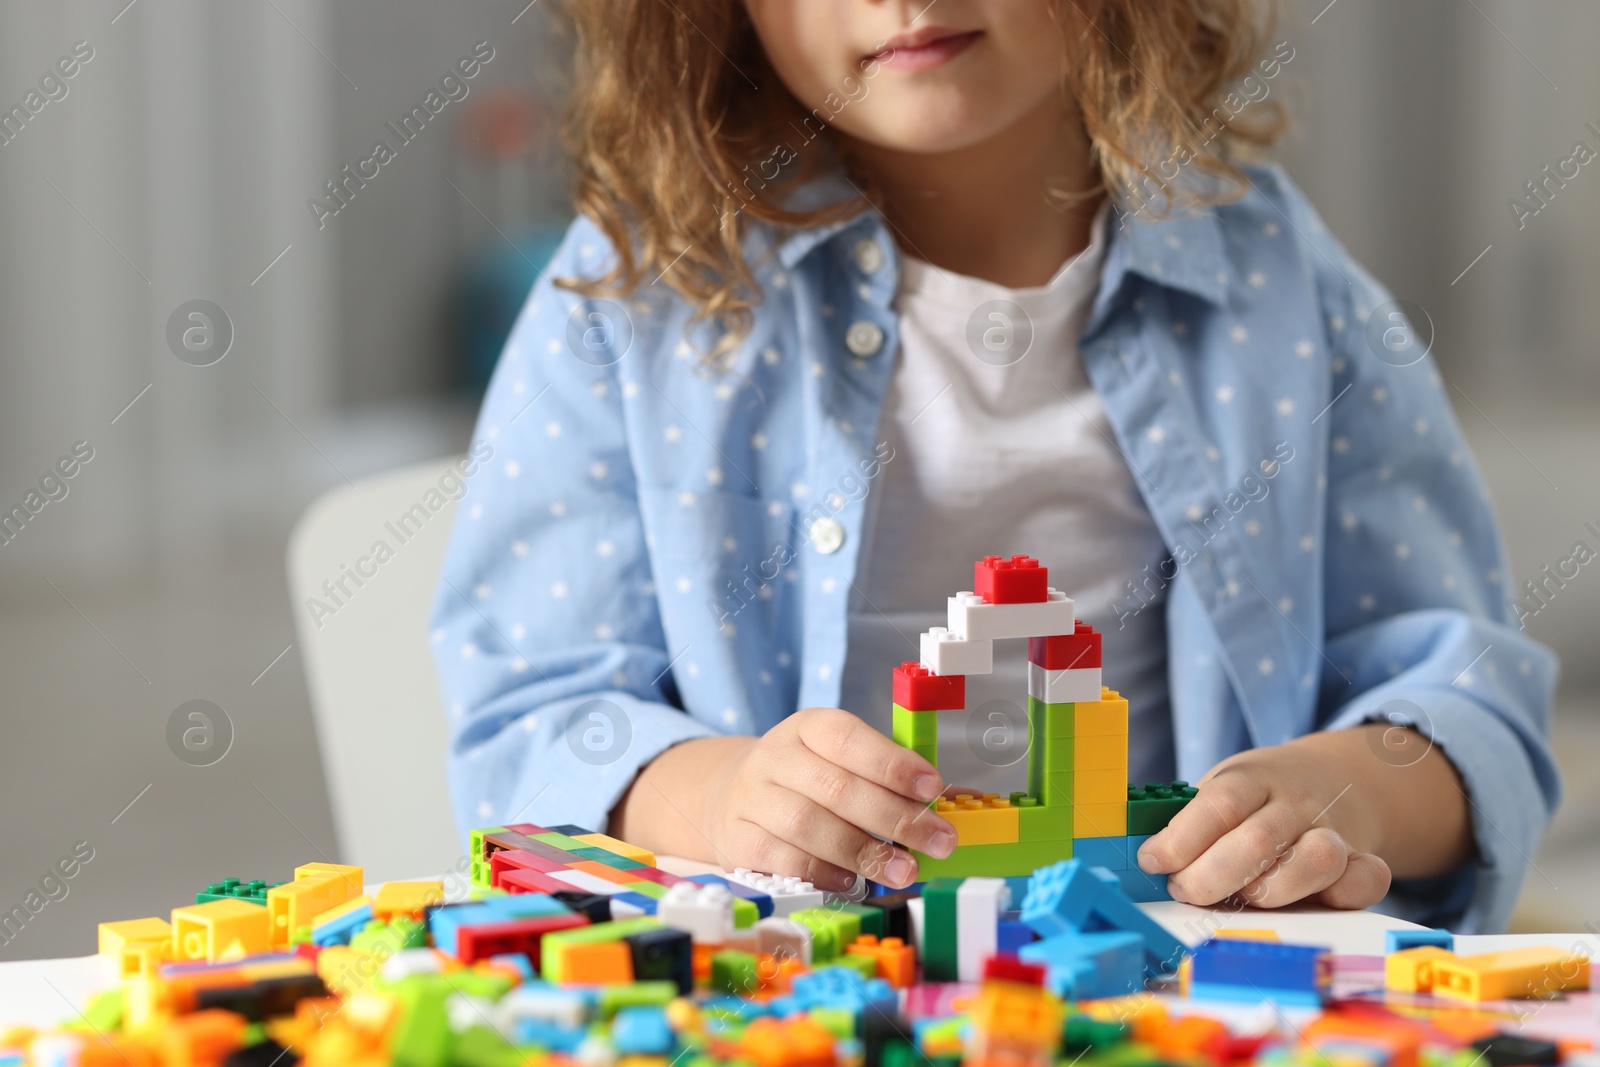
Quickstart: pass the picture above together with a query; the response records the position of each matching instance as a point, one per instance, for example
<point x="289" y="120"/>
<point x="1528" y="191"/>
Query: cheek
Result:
<point x="804" y="40"/>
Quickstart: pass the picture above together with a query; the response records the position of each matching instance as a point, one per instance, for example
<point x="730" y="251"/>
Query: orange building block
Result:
<point x="798" y="1042"/>
<point x="600" y="963"/>
<point x="777" y="975"/>
<point x="1399" y="1038"/>
<point x="620" y="848"/>
<point x="203" y="1038"/>
<point x="295" y="904"/>
<point x="986" y="820"/>
<point x="897" y="961"/>
<point x="1187" y="1037"/>
<point x="600" y="870"/>
<point x="1100" y="820"/>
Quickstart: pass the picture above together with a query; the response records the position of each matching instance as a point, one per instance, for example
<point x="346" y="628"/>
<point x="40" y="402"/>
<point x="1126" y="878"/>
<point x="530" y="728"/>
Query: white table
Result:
<point x="48" y="992"/>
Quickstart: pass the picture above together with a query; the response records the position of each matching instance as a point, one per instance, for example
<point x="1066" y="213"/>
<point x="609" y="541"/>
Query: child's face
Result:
<point x="914" y="75"/>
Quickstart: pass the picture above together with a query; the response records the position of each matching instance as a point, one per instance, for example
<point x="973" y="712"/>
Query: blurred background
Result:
<point x="180" y="161"/>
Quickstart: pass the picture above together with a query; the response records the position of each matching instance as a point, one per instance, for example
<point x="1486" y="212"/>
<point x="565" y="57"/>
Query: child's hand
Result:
<point x="1308" y="820"/>
<point x="807" y="798"/>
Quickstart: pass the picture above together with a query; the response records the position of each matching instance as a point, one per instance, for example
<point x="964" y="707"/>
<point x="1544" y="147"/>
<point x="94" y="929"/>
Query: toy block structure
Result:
<point x="1077" y="796"/>
<point x="1253" y="970"/>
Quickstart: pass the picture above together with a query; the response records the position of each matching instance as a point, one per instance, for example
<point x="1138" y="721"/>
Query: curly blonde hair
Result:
<point x="672" y="105"/>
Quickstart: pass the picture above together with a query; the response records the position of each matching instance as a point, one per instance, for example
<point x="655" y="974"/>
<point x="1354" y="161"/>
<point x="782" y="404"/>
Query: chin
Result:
<point x="924" y="133"/>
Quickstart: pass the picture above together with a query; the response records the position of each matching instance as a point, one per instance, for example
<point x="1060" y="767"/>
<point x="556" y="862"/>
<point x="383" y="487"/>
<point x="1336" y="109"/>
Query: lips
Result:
<point x="923" y="48"/>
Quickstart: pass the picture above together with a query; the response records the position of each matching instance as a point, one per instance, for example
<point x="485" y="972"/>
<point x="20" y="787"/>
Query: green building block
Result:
<point x="734" y="972"/>
<point x="939" y="924"/>
<point x="613" y="998"/>
<point x="479" y="872"/>
<point x="232" y="889"/>
<point x="1152" y="806"/>
<point x="653" y="890"/>
<point x="392" y="936"/>
<point x="918" y="731"/>
<point x="607" y="857"/>
<point x="832" y="931"/>
<point x="865" y="965"/>
<point x="1011" y="860"/>
<point x="561" y="841"/>
<point x="1082" y="1033"/>
<point x="745" y="913"/>
<point x="870" y="919"/>
<point x="484" y="1046"/>
<point x="839" y="1022"/>
<point x="1053" y="823"/>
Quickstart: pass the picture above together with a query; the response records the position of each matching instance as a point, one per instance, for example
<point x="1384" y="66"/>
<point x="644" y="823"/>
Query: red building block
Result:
<point x="1008" y="968"/>
<point x="527" y="829"/>
<point x="474" y="943"/>
<point x="510" y="859"/>
<point x="1018" y="580"/>
<point x="916" y="688"/>
<point x="653" y="874"/>
<point x="1081" y="648"/>
<point x="515" y="880"/>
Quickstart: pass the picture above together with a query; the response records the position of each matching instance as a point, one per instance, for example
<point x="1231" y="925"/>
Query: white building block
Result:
<point x="783" y="937"/>
<point x="1065" y="686"/>
<point x="972" y="618"/>
<point x="979" y="903"/>
<point x="788" y="894"/>
<point x="916" y="915"/>
<point x="587" y="882"/>
<point x="945" y="653"/>
<point x="704" y="912"/>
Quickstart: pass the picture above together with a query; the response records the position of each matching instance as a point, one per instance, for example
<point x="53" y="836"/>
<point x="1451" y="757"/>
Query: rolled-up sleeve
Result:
<point x="546" y="631"/>
<point x="1419" y="625"/>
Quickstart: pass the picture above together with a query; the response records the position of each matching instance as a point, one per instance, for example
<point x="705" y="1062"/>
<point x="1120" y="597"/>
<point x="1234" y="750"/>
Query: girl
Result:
<point x="863" y="290"/>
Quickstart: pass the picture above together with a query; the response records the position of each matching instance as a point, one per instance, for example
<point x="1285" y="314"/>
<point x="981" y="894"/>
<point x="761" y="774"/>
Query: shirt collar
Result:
<point x="1184" y="252"/>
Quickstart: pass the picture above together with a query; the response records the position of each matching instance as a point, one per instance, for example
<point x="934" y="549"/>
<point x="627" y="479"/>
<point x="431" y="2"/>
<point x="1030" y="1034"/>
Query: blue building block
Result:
<point x="1068" y="897"/>
<point x="1257" y="970"/>
<point x="1143" y="888"/>
<point x="644" y="905"/>
<point x="762" y="901"/>
<point x="1011" y="935"/>
<point x="643" y="1030"/>
<point x="443" y="923"/>
<point x="1108" y="852"/>
<point x="1108" y="963"/>
<point x="339" y="931"/>
<point x="836" y="987"/>
<point x="1395" y="940"/>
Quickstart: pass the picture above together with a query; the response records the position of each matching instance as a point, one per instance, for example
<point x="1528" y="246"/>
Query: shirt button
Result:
<point x="864" y="338"/>
<point x="827" y="535"/>
<point x="868" y="255"/>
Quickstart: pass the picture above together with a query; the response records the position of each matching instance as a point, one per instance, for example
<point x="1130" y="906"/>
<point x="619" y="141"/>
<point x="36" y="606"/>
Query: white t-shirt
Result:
<point x="1002" y="447"/>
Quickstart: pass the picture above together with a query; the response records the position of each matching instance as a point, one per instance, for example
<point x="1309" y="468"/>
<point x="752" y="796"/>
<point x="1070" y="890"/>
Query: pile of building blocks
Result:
<point x="571" y="948"/>
<point x="1078" y="802"/>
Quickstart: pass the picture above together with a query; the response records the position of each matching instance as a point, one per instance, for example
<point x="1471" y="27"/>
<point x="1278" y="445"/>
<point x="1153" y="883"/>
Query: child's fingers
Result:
<point x="1223" y="803"/>
<point x="843" y="739"/>
<point x="762" y="850"/>
<point x="1238" y="857"/>
<point x="1312" y="864"/>
<point x="1365" y="882"/>
<point x="865" y="804"/>
<point x="818" y="831"/>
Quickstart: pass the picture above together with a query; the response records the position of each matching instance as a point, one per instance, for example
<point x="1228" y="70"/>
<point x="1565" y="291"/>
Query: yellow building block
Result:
<point x="1524" y="972"/>
<point x="295" y="904"/>
<point x="1093" y="752"/>
<point x="220" y="930"/>
<point x="1410" y="970"/>
<point x="1100" y="820"/>
<point x="1101" y="787"/>
<point x="1244" y="933"/>
<point x="1107" y="716"/>
<point x="136" y="945"/>
<point x="986" y="820"/>
<point x="351" y="874"/>
<point x="405" y="898"/>
<point x="621" y="848"/>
